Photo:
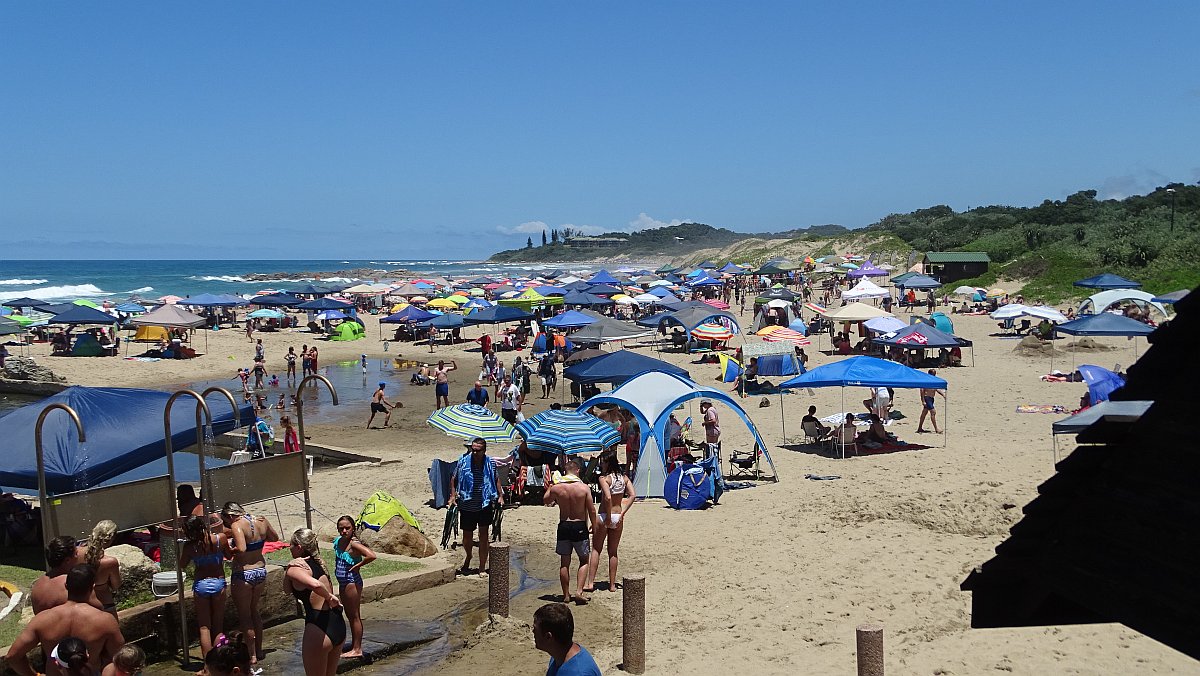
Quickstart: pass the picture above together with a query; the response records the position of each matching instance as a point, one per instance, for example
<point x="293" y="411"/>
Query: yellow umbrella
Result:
<point x="997" y="292"/>
<point x="398" y="307"/>
<point x="768" y="330"/>
<point x="442" y="303"/>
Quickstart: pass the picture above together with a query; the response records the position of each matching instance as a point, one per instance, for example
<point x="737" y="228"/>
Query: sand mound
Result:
<point x="507" y="629"/>
<point x="1032" y="346"/>
<point x="978" y="512"/>
<point x="1086" y="345"/>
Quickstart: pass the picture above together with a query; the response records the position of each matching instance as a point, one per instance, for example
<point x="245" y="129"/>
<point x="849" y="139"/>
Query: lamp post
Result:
<point x="1171" y="192"/>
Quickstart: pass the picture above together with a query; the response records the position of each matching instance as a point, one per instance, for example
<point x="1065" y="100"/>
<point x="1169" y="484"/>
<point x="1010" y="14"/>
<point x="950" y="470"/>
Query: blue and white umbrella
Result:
<point x="266" y="313"/>
<point x="567" y="432"/>
<point x="326" y="315"/>
<point x="467" y="421"/>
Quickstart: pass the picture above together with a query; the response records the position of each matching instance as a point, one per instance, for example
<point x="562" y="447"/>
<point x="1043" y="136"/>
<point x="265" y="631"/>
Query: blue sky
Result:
<point x="411" y="130"/>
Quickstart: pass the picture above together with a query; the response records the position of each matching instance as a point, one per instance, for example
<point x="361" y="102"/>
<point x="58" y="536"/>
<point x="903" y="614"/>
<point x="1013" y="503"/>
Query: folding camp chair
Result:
<point x="743" y="463"/>
<point x="450" y="529"/>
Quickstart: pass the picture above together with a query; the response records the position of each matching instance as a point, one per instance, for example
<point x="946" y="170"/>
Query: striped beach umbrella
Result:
<point x="784" y="335"/>
<point x="467" y="421"/>
<point x="567" y="432"/>
<point x="815" y="308"/>
<point x="717" y="303"/>
<point x="711" y="331"/>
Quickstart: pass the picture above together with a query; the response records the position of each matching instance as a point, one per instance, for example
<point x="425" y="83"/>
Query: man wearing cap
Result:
<point x="380" y="404"/>
<point x="473" y="489"/>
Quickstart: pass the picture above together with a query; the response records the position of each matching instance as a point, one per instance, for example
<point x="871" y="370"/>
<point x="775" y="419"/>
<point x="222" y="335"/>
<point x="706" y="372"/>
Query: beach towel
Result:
<point x="1041" y="408"/>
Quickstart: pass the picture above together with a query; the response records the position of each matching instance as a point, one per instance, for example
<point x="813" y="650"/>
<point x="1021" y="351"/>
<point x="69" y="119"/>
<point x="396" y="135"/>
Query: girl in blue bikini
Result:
<point x="248" y="534"/>
<point x="206" y="550"/>
<point x="350" y="555"/>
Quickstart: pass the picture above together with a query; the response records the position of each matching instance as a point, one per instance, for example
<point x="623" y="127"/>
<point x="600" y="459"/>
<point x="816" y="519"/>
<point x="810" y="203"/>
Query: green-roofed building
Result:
<point x="951" y="266"/>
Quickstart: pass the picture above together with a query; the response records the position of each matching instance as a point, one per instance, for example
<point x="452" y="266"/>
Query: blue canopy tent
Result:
<point x="732" y="269"/>
<point x="651" y="396"/>
<point x="25" y="302"/>
<point x="869" y="372"/>
<point x="918" y="282"/>
<point x="124" y="429"/>
<point x="130" y="308"/>
<point x="653" y="321"/>
<point x="325" y="304"/>
<point x="409" y="315"/>
<point x="211" y="300"/>
<point x="1107" y="280"/>
<point x="1106" y="324"/>
<point x="618" y="367"/>
<point x="310" y="290"/>
<point x="276" y="300"/>
<point x="498" y="314"/>
<point x="582" y="298"/>
<point x="577" y="285"/>
<point x="1171" y="298"/>
<point x="661" y="291"/>
<point x="706" y="281"/>
<point x="603" y="277"/>
<point x="602" y="290"/>
<point x="444" y="322"/>
<point x="548" y="290"/>
<point x="571" y="319"/>
<point x="82" y="314"/>
<point x="918" y="336"/>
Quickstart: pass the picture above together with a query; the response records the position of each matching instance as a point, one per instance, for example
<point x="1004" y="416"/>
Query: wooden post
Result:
<point x="633" y="624"/>
<point x="498" y="580"/>
<point x="870" y="649"/>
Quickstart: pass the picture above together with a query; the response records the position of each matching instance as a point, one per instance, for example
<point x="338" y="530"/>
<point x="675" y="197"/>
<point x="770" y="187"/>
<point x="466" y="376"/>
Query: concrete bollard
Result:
<point x="870" y="649"/>
<point x="633" y="624"/>
<point x="498" y="580"/>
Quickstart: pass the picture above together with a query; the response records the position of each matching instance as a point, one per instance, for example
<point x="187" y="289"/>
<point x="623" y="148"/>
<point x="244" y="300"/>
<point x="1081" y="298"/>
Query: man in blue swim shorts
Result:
<point x="927" y="407"/>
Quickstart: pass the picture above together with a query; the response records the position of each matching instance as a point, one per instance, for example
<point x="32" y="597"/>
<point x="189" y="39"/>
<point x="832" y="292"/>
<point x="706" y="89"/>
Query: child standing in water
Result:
<point x="350" y="556"/>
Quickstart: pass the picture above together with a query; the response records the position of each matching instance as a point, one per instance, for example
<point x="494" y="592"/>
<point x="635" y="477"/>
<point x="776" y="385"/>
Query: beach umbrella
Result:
<point x="567" y="432"/>
<point x="468" y="421"/>
<point x="965" y="291"/>
<point x="885" y="324"/>
<point x="786" y="335"/>
<point x="326" y="315"/>
<point x="86" y="303"/>
<point x="1010" y="311"/>
<point x="719" y="304"/>
<point x="711" y="331"/>
<point x="996" y="293"/>
<point x="441" y="303"/>
<point x="266" y="313"/>
<point x="130" y="307"/>
<point x="815" y="308"/>
<point x="418" y="299"/>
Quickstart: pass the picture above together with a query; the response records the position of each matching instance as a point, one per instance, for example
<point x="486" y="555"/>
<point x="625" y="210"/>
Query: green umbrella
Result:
<point x="468" y="421"/>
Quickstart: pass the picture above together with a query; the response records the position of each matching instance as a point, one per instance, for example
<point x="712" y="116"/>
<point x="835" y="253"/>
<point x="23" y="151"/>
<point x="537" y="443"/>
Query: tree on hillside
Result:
<point x="528" y="242"/>
<point x="554" y="236"/>
<point x="543" y="238"/>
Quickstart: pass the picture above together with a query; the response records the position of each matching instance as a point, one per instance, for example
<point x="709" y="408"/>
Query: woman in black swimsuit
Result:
<point x="324" y="625"/>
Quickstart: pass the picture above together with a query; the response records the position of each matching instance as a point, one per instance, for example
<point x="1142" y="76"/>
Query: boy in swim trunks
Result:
<point x="927" y="407"/>
<point x="575" y="512"/>
<point x="380" y="404"/>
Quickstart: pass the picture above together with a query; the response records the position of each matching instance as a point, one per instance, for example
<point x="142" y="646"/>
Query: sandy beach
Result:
<point x="775" y="578"/>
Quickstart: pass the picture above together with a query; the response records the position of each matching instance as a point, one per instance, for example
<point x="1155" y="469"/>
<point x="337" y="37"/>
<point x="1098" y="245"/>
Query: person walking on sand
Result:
<point x="509" y="396"/>
<point x="441" y="380"/>
<point x="473" y="489"/>
<point x="554" y="634"/>
<point x="350" y="555"/>
<point x="575" y="512"/>
<point x="928" y="408"/>
<point x="75" y="617"/>
<point x="616" y="497"/>
<point x="380" y="404"/>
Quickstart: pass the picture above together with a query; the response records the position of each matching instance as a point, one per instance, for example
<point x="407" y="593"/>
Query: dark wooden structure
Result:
<point x="1114" y="536"/>
<point x="951" y="266"/>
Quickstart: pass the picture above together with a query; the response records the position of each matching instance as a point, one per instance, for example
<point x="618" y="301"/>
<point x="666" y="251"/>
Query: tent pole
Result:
<point x="946" y="418"/>
<point x="843" y="420"/>
<point x="782" y="417"/>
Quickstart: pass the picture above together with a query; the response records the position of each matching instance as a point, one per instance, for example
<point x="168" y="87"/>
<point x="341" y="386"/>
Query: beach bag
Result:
<point x="688" y="487"/>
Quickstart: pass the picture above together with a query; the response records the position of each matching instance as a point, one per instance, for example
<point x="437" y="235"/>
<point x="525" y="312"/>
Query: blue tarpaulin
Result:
<point x="865" y="372"/>
<point x="124" y="429"/>
<point x="617" y="367"/>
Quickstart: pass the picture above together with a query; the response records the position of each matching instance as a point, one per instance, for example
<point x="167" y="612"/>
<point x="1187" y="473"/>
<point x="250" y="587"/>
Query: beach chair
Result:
<point x="743" y="463"/>
<point x="812" y="435"/>
<point x="1026" y="325"/>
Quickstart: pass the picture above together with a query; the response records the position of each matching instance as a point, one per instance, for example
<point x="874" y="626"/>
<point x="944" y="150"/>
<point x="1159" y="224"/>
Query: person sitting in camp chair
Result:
<point x="846" y="435"/>
<point x="1026" y="324"/>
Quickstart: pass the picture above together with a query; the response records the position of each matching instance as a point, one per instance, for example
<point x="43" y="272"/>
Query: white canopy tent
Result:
<point x="651" y="397"/>
<point x="865" y="289"/>
<point x="856" y="312"/>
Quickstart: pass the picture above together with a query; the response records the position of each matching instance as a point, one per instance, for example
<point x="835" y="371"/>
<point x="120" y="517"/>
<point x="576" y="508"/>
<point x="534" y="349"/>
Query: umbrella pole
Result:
<point x="945" y="418"/>
<point x="782" y="418"/>
<point x="843" y="445"/>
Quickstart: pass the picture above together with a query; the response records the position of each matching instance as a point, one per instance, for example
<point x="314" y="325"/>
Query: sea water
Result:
<point x="150" y="279"/>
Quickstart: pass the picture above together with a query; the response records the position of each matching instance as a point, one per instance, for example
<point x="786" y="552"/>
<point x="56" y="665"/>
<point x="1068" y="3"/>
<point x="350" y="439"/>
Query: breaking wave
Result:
<point x="219" y="278"/>
<point x="57" y="292"/>
<point x="21" y="282"/>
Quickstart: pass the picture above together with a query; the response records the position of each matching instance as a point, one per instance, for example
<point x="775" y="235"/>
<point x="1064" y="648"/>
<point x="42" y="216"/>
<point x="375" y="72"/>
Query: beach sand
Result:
<point x="776" y="578"/>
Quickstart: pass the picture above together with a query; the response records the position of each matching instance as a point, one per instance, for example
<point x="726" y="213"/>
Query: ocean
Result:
<point x="151" y="279"/>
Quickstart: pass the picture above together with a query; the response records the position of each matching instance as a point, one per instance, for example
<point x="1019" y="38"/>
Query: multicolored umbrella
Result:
<point x="710" y="331"/>
<point x="567" y="432"/>
<point x="717" y="303"/>
<point x="784" y="335"/>
<point x="815" y="308"/>
<point x="467" y="421"/>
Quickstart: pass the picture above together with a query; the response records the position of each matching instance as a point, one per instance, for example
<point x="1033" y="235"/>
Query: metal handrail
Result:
<point x="43" y="498"/>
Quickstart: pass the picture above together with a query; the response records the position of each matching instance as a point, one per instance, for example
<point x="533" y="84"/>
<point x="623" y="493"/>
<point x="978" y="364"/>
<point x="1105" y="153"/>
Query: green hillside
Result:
<point x="1047" y="247"/>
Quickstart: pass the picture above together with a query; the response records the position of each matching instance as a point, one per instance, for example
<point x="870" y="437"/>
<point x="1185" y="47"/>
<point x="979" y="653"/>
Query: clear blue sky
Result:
<point x="406" y="129"/>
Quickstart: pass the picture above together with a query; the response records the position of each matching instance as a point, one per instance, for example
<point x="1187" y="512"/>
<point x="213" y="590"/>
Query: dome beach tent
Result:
<point x="871" y="372"/>
<point x="1101" y="302"/>
<point x="651" y="397"/>
<point x="349" y="330"/>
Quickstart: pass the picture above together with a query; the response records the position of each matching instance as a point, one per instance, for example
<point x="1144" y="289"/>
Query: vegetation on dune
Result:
<point x="1152" y="238"/>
